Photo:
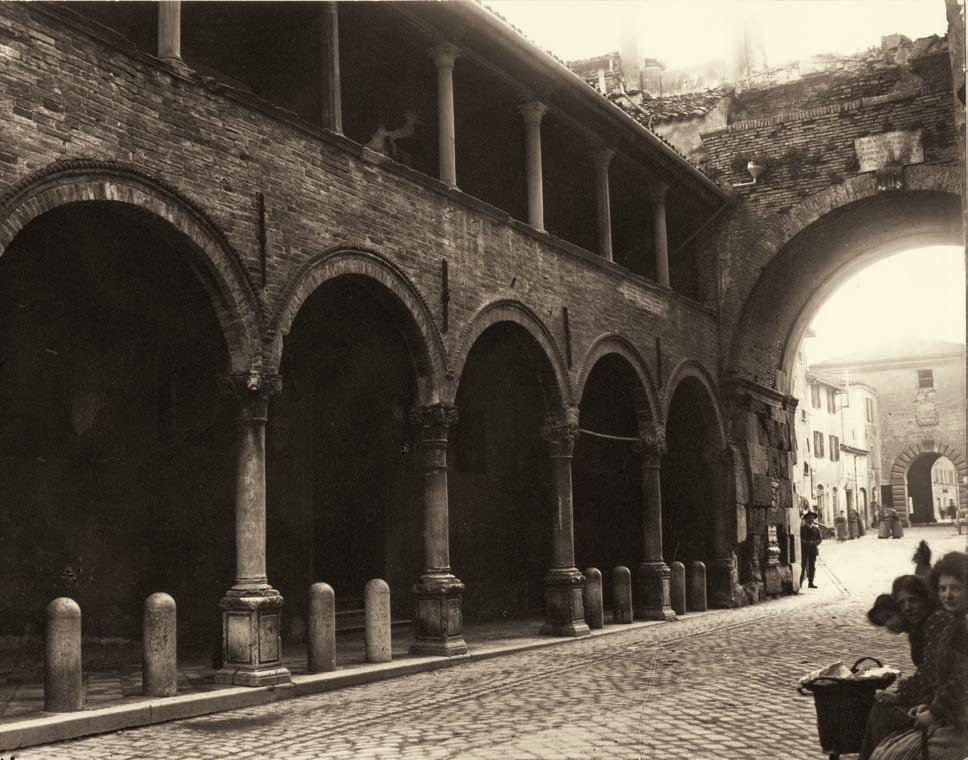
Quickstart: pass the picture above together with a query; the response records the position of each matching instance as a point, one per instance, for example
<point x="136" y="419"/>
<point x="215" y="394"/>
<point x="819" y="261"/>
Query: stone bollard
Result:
<point x="376" y="601"/>
<point x="159" y="647"/>
<point x="63" y="687"/>
<point x="621" y="595"/>
<point x="321" y="628"/>
<point x="696" y="587"/>
<point x="592" y="598"/>
<point x="677" y="588"/>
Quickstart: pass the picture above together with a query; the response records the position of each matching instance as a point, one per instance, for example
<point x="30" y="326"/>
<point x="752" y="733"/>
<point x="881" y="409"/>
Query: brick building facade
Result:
<point x="428" y="309"/>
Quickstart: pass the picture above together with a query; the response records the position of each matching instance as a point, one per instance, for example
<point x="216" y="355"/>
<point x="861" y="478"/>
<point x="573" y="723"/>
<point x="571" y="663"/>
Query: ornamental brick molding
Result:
<point x="419" y="329"/>
<point x="555" y="384"/>
<point x="641" y="388"/>
<point x="63" y="183"/>
<point x="690" y="368"/>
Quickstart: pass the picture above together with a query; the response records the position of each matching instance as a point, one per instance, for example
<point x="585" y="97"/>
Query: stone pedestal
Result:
<point x="654" y="601"/>
<point x="251" y="639"/>
<point x="564" y="608"/>
<point x="439" y="623"/>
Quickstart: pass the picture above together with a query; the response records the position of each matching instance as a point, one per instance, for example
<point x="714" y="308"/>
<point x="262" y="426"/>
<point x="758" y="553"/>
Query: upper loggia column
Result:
<point x="564" y="610"/>
<point x="657" y="195"/>
<point x="601" y="159"/>
<point x="251" y="609"/>
<point x="332" y="82"/>
<point x="533" y="112"/>
<point x="438" y="595"/>
<point x="169" y="30"/>
<point x="444" y="56"/>
<point x="653" y="600"/>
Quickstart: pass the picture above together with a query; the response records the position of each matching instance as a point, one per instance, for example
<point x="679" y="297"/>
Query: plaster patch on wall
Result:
<point x="643" y="299"/>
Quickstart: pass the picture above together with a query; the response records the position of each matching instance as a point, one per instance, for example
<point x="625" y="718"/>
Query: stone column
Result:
<point x="444" y="56"/>
<point x="533" y="113"/>
<point x="653" y="600"/>
<point x="169" y="31"/>
<point x="438" y="602"/>
<point x="332" y="86"/>
<point x="251" y="609"/>
<point x="564" y="613"/>
<point x="721" y="571"/>
<point x="657" y="194"/>
<point x="601" y="159"/>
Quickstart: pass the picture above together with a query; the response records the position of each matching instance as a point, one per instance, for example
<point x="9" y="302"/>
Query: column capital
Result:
<point x="602" y="157"/>
<point x="561" y="434"/>
<point x="252" y="390"/>
<point x="532" y="111"/>
<point x="445" y="54"/>
<point x="652" y="443"/>
<point x="657" y="192"/>
<point x="434" y="416"/>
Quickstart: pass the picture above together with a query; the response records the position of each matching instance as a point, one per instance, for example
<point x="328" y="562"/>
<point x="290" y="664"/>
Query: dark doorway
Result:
<point x="919" y="489"/>
<point x="500" y="477"/>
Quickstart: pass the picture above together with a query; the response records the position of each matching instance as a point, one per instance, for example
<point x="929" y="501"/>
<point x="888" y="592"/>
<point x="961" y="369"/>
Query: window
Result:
<point x="831" y="400"/>
<point x="925" y="378"/>
<point x="815" y="395"/>
<point x="806" y="470"/>
<point x="869" y="408"/>
<point x="803" y="415"/>
<point x="818" y="444"/>
<point x="834" y="449"/>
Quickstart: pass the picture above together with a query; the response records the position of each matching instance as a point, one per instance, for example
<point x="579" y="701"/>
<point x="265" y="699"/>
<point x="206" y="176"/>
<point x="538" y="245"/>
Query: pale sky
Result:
<point x="917" y="294"/>
<point x="685" y="32"/>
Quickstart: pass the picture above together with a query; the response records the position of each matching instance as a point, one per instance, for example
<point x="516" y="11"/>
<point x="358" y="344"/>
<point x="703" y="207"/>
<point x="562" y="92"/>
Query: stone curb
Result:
<point x="56" y="727"/>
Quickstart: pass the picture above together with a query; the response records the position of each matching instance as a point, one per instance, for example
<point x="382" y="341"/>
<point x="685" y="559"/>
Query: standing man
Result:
<point x="810" y="539"/>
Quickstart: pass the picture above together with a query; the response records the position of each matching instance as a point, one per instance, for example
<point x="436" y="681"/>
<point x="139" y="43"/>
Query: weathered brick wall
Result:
<point x="67" y="95"/>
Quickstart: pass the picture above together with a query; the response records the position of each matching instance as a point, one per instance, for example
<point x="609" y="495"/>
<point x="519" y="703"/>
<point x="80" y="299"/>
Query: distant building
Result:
<point x="921" y="386"/>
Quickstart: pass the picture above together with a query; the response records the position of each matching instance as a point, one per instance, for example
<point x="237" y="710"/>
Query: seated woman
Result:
<point x="940" y="729"/>
<point x="910" y="609"/>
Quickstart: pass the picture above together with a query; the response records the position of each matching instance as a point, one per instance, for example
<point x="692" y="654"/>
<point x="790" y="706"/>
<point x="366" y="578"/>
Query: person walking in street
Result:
<point x="840" y="525"/>
<point x="810" y="539"/>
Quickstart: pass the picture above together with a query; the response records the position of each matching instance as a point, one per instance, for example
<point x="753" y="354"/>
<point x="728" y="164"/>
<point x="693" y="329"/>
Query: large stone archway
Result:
<point x="927" y="447"/>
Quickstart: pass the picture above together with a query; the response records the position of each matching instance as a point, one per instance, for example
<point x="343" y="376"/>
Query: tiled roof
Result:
<point x="682" y="107"/>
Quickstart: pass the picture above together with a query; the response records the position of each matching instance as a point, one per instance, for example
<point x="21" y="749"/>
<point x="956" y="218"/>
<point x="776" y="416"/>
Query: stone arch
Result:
<point x="904" y="460"/>
<point x="821" y="242"/>
<point x="555" y="386"/>
<point x="644" y="395"/>
<point x="690" y="368"/>
<point x="216" y="263"/>
<point x="417" y="325"/>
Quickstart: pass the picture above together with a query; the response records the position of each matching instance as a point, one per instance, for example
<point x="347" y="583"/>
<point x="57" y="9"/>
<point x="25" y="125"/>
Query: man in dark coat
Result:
<point x="810" y="539"/>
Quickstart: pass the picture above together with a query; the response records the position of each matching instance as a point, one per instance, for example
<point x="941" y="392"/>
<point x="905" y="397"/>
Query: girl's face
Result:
<point x="912" y="606"/>
<point x="952" y="594"/>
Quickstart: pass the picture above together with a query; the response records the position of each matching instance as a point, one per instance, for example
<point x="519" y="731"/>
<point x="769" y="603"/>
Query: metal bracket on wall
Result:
<point x="567" y="328"/>
<point x="444" y="293"/>
<point x="260" y="203"/>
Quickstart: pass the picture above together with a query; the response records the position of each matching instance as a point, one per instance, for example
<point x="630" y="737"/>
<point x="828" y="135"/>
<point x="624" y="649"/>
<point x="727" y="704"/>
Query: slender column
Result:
<point x="444" y="56"/>
<point x="332" y="86"/>
<point x="601" y="159"/>
<point x="658" y="197"/>
<point x="533" y="113"/>
<point x="721" y="571"/>
<point x="251" y="609"/>
<point x="169" y="30"/>
<point x="653" y="600"/>
<point x="438" y="595"/>
<point x="564" y="613"/>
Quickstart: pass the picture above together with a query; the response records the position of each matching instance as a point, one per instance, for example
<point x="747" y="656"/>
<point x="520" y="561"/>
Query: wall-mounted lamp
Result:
<point x="755" y="168"/>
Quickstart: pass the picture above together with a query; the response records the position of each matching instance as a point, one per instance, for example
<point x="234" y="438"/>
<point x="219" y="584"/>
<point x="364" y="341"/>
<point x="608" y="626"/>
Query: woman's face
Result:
<point x="952" y="594"/>
<point x="912" y="606"/>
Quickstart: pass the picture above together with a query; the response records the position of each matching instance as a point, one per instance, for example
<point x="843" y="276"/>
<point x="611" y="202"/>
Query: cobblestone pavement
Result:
<point x="716" y="685"/>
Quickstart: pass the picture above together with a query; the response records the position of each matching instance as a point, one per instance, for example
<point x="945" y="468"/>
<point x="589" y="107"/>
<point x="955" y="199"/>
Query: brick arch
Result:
<point x="690" y="368"/>
<point x="904" y="460"/>
<point x="222" y="274"/>
<point x="644" y="396"/>
<point x="416" y="323"/>
<point x="555" y="386"/>
<point x="804" y="254"/>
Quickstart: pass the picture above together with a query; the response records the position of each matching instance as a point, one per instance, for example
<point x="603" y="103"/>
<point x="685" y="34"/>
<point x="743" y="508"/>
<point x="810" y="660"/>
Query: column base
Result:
<point x="439" y="617"/>
<point x="564" y="609"/>
<point x="251" y="639"/>
<point x="722" y="583"/>
<point x="654" y="600"/>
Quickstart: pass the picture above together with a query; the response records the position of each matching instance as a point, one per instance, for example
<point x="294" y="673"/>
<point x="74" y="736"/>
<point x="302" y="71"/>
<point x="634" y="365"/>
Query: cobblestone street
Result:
<point x="714" y="685"/>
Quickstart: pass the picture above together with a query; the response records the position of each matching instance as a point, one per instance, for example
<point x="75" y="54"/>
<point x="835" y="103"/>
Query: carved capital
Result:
<point x="533" y="111"/>
<point x="657" y="193"/>
<point x="561" y="435"/>
<point x="431" y="423"/>
<point x="444" y="55"/>
<point x="652" y="444"/>
<point x="602" y="158"/>
<point x="252" y="390"/>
